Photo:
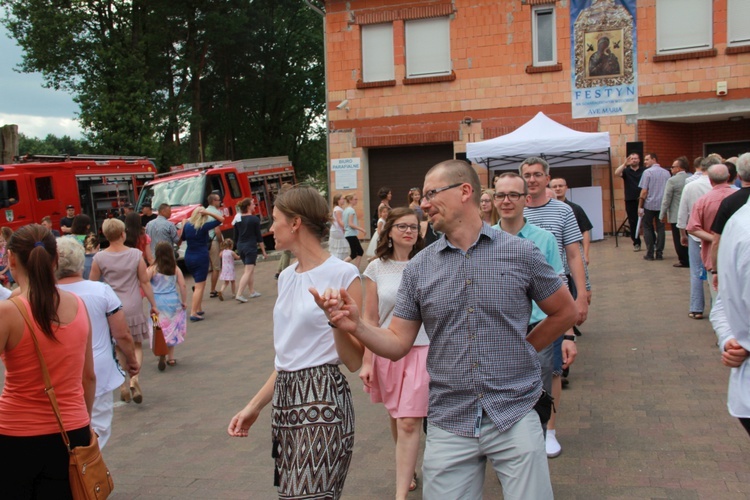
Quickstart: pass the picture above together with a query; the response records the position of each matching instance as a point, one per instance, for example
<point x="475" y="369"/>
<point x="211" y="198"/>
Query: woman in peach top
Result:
<point x="36" y="459"/>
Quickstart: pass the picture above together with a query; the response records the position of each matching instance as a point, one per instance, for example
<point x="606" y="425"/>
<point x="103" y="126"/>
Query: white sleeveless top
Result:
<point x="387" y="276"/>
<point x="301" y="335"/>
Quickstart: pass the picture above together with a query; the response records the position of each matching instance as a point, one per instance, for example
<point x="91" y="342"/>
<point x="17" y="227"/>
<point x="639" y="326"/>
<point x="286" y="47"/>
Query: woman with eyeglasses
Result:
<point x="487" y="209"/>
<point x="403" y="385"/>
<point x="414" y="200"/>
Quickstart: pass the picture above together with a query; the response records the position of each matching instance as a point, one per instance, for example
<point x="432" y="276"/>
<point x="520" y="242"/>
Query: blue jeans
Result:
<point x="697" y="301"/>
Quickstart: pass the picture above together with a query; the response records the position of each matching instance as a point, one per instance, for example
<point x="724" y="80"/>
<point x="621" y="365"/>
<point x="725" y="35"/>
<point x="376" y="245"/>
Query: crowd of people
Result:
<point x="706" y="206"/>
<point x="416" y="323"/>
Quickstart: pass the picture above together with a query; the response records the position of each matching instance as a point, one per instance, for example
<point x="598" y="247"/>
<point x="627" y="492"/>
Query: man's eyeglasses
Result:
<point x="429" y="195"/>
<point x="538" y="175"/>
<point x="404" y="227"/>
<point x="510" y="196"/>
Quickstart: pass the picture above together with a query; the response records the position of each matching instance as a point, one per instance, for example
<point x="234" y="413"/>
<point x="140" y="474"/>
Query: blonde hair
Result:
<point x="113" y="229"/>
<point x="197" y="219"/>
<point x="227" y="244"/>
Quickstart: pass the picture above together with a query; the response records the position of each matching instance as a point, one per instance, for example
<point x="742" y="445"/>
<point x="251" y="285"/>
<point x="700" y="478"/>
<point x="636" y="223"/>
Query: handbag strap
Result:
<point x="48" y="389"/>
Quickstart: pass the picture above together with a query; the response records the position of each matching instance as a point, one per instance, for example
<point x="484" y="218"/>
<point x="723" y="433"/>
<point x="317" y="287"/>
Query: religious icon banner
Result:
<point x="603" y="54"/>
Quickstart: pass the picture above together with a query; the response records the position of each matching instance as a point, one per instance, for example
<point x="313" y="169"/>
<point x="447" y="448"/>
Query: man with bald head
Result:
<point x="704" y="212"/>
<point x="472" y="289"/>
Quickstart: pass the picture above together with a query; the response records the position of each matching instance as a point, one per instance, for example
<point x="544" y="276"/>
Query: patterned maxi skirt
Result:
<point x="313" y="432"/>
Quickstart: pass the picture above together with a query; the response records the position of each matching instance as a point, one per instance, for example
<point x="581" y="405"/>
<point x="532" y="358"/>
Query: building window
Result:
<point x="377" y="52"/>
<point x="544" y="35"/>
<point x="738" y="29"/>
<point x="684" y="25"/>
<point x="428" y="47"/>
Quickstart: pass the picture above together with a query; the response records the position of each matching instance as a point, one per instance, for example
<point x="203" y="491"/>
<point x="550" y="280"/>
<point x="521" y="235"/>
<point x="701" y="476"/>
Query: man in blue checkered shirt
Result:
<point x="472" y="289"/>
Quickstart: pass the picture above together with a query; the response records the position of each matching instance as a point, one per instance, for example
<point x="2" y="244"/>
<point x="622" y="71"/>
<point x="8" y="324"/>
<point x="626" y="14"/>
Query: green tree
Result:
<point x="51" y="145"/>
<point x="184" y="81"/>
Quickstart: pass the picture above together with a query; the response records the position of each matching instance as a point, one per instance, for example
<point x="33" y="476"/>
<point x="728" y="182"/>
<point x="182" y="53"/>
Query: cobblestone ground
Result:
<point x="644" y="415"/>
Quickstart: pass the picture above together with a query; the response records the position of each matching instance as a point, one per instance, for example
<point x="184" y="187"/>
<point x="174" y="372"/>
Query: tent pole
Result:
<point x="612" y="197"/>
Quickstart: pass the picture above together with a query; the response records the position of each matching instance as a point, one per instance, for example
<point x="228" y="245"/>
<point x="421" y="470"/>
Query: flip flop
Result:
<point x="196" y="318"/>
<point x="695" y="315"/>
<point x="172" y="362"/>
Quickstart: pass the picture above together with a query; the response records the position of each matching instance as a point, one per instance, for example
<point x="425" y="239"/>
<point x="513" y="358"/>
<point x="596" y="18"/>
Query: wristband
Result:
<point x="569" y="337"/>
<point x="332" y="325"/>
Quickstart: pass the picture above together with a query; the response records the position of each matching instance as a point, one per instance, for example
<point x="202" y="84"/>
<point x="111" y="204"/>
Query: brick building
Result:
<point x="411" y="82"/>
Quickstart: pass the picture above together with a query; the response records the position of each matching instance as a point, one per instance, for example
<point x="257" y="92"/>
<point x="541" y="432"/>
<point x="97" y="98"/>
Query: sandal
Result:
<point x="172" y="362"/>
<point x="413" y="485"/>
<point x="213" y="294"/>
<point x="695" y="315"/>
<point x="162" y="363"/>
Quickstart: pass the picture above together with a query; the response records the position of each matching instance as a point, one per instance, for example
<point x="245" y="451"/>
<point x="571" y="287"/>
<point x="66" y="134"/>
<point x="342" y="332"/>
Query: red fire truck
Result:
<point x="187" y="186"/>
<point x="44" y="186"/>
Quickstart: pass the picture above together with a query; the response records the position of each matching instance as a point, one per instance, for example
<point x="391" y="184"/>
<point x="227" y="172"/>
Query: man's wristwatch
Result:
<point x="569" y="337"/>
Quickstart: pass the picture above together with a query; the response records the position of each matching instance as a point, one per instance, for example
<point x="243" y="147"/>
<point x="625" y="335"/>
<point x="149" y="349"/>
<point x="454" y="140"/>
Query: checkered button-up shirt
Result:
<point x="475" y="306"/>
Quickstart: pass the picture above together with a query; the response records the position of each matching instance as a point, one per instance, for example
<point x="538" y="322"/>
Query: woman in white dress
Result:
<point x="337" y="244"/>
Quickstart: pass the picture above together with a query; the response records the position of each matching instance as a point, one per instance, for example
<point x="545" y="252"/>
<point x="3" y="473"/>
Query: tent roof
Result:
<point x="544" y="137"/>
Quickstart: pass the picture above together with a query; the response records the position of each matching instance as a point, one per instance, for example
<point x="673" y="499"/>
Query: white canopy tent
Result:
<point x="544" y="137"/>
<point x="541" y="136"/>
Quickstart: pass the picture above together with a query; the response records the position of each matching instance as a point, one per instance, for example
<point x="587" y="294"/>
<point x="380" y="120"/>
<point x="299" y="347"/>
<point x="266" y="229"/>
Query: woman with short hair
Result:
<point x="107" y="317"/>
<point x="124" y="270"/>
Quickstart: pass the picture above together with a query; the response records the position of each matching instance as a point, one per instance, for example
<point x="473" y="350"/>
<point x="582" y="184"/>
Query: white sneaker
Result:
<point x="553" y="447"/>
<point x="254" y="295"/>
<point x="241" y="298"/>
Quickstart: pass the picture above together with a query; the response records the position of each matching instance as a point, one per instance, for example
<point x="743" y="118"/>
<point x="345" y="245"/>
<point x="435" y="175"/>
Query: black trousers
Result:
<point x="682" y="251"/>
<point x="631" y="208"/>
<point x="37" y="466"/>
<point x="746" y="424"/>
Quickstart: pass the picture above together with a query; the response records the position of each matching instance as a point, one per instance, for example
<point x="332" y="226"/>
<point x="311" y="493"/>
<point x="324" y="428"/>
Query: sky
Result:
<point x="24" y="101"/>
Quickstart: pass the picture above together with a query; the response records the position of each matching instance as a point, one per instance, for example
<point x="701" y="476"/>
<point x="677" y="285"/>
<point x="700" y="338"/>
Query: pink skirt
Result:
<point x="403" y="386"/>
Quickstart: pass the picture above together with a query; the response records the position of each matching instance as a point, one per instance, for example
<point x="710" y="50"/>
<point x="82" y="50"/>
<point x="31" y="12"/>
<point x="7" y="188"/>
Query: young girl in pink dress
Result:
<point x="228" y="256"/>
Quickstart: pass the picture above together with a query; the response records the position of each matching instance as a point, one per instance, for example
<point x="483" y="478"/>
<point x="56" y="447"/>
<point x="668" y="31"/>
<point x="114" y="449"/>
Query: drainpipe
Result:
<point x="322" y="14"/>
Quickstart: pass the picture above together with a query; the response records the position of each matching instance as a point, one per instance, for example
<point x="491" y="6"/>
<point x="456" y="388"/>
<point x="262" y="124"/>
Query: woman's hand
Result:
<point x="339" y="307"/>
<point x="241" y="423"/>
<point x="365" y="374"/>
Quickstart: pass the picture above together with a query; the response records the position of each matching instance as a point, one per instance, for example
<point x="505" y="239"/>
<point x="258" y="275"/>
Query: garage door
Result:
<point x="401" y="169"/>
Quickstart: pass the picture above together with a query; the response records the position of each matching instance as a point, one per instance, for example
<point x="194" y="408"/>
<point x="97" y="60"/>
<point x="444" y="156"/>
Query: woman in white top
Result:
<point x="352" y="229"/>
<point x="311" y="398"/>
<point x="403" y="385"/>
<point x="337" y="244"/>
<point x="107" y="318"/>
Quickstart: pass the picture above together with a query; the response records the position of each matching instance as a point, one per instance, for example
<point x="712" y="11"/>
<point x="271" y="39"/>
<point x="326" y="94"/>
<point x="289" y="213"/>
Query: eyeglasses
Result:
<point x="429" y="195"/>
<point x="537" y="175"/>
<point x="485" y="201"/>
<point x="510" y="196"/>
<point x="404" y="227"/>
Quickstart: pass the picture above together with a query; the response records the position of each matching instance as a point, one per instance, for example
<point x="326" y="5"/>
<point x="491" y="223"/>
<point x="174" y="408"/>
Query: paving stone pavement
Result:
<point x="644" y="416"/>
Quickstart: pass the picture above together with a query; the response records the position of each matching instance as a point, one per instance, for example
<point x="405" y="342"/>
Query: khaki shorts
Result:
<point x="214" y="256"/>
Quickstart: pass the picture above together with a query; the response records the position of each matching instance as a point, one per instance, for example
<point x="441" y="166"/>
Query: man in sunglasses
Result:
<point x="472" y="289"/>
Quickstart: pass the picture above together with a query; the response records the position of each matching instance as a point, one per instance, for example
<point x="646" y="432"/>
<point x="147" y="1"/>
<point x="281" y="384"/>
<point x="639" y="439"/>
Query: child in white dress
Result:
<point x="228" y="256"/>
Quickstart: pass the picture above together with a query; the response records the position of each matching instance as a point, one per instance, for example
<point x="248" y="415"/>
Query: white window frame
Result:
<point x="738" y="27"/>
<point x="428" y="47"/>
<point x="535" y="12"/>
<point x="377" y="52"/>
<point x="683" y="26"/>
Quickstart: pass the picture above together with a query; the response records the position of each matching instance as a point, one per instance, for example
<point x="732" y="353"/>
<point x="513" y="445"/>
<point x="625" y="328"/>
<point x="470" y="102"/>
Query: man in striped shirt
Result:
<point x="557" y="218"/>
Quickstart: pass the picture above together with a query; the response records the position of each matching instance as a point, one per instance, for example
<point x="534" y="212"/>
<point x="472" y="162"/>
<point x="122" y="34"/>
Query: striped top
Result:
<point x="557" y="218"/>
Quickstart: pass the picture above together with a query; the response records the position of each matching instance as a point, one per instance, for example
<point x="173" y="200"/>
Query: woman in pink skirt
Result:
<point x="403" y="385"/>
